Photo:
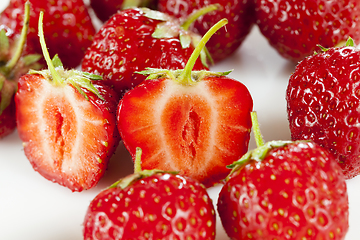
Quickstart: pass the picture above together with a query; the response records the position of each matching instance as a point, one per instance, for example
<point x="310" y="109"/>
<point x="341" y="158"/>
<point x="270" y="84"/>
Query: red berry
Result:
<point x="125" y="45"/>
<point x="295" y="27"/>
<point x="13" y="64"/>
<point x="68" y="27"/>
<point x="323" y="102"/>
<point x="67" y="124"/>
<point x="104" y="9"/>
<point x="159" y="206"/>
<point x="225" y="42"/>
<point x="195" y="122"/>
<point x="286" y="191"/>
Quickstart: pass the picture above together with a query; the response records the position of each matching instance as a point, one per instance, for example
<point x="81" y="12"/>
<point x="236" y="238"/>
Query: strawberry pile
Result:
<point x="146" y="81"/>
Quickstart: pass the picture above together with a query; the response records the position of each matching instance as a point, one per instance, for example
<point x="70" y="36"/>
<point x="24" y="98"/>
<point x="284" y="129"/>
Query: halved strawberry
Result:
<point x="195" y="122"/>
<point x="66" y="123"/>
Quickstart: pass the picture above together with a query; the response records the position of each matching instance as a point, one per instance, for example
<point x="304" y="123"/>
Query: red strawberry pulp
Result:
<point x="195" y="129"/>
<point x="62" y="131"/>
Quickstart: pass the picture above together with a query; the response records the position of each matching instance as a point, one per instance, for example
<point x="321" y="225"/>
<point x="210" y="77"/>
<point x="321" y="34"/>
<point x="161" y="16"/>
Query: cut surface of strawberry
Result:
<point x="66" y="137"/>
<point x="67" y="123"/>
<point x="198" y="129"/>
<point x="195" y="122"/>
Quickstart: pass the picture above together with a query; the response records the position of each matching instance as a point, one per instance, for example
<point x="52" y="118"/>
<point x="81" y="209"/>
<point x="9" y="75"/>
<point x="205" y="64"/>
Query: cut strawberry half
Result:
<point x="196" y="122"/>
<point x="67" y="124"/>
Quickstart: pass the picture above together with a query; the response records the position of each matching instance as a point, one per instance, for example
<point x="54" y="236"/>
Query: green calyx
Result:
<point x="138" y="173"/>
<point x="196" y="76"/>
<point x="61" y="77"/>
<point x="349" y="43"/>
<point x="169" y="29"/>
<point x="258" y="154"/>
<point x="186" y="76"/>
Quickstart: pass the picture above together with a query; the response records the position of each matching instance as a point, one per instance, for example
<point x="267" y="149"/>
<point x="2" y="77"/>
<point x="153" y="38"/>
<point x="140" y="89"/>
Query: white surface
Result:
<point x="36" y="209"/>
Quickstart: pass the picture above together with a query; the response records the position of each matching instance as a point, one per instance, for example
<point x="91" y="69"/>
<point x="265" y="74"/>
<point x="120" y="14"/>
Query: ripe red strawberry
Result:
<point x="104" y="9"/>
<point x="323" y="101"/>
<point x="285" y="190"/>
<point x="66" y="123"/>
<point x="196" y="122"/>
<point x="151" y="204"/>
<point x="225" y="42"/>
<point x="132" y="40"/>
<point x="12" y="65"/>
<point x="69" y="30"/>
<point x="295" y="27"/>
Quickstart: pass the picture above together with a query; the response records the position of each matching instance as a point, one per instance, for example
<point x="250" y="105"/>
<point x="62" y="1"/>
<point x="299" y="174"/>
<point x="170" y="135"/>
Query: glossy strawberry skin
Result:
<point x="225" y="42"/>
<point x="124" y="45"/>
<point x="162" y="206"/>
<point x="104" y="9"/>
<point x="67" y="27"/>
<point x="67" y="139"/>
<point x="322" y="104"/>
<point x="7" y="120"/>
<point x="201" y="128"/>
<point x="296" y="192"/>
<point x="294" y="28"/>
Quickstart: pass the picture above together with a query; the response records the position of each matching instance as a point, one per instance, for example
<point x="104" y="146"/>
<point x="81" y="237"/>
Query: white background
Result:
<point x="36" y="209"/>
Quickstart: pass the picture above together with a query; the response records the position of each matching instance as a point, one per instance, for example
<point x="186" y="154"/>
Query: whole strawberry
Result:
<point x="195" y="122"/>
<point x="13" y="64"/>
<point x="135" y="39"/>
<point x="294" y="28"/>
<point x="323" y="102"/>
<point x="225" y="42"/>
<point x="151" y="205"/>
<point x="104" y="9"/>
<point x="69" y="30"/>
<point x="285" y="190"/>
<point x="67" y="123"/>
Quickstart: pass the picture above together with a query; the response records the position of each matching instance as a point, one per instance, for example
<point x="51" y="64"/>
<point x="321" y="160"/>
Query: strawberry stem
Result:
<point x="20" y="46"/>
<point x="55" y="76"/>
<point x="195" y="15"/>
<point x="185" y="77"/>
<point x="137" y="167"/>
<point x="256" y="128"/>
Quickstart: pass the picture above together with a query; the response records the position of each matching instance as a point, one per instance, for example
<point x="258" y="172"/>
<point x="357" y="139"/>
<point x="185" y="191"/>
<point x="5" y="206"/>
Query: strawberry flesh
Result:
<point x="67" y="138"/>
<point x="197" y="130"/>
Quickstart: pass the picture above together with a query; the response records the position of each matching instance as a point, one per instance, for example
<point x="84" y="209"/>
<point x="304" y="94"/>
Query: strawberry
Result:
<point x="12" y="65"/>
<point x="104" y="9"/>
<point x="132" y="40"/>
<point x="69" y="30"/>
<point x="322" y="104"/>
<point x="285" y="190"/>
<point x="225" y="42"/>
<point x="66" y="123"/>
<point x="196" y="122"/>
<point x="295" y="27"/>
<point x="151" y="204"/>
